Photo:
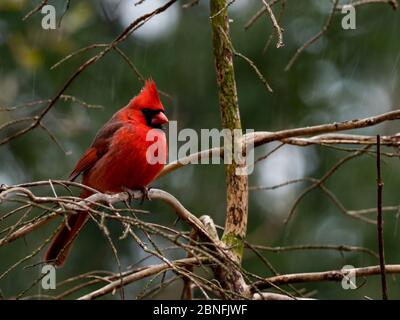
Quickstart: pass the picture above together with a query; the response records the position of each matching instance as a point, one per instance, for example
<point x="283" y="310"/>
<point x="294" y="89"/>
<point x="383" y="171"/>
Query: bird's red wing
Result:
<point x="87" y="161"/>
<point x="98" y="148"/>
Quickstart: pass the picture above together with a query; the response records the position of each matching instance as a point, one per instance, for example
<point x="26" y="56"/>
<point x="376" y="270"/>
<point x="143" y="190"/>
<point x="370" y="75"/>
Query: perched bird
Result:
<point x="117" y="160"/>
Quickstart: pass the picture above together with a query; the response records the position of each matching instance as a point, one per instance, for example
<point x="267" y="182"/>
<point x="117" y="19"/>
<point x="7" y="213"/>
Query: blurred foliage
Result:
<point x="346" y="74"/>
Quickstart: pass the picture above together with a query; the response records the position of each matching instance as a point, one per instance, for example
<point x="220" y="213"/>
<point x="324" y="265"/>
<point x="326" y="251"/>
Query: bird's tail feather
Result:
<point x="62" y="242"/>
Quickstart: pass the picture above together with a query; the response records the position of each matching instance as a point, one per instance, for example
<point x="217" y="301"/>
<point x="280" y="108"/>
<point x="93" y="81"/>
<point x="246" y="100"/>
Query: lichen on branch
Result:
<point x="237" y="186"/>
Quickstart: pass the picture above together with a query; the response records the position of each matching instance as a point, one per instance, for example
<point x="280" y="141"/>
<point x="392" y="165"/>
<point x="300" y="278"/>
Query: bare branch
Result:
<point x="276" y="25"/>
<point x="236" y="185"/>
<point x="379" y="188"/>
<point x="393" y="3"/>
<point x="340" y="248"/>
<point x="261" y="138"/>
<point x="36" y="9"/>
<point x="314" y="38"/>
<point x="95" y="199"/>
<point x="148" y="271"/>
<point x="335" y="275"/>
<point x="320" y="182"/>
<point x="274" y="296"/>
<point x="258" y="14"/>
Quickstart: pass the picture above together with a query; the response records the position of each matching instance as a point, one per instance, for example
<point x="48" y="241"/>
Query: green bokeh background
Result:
<point x="345" y="75"/>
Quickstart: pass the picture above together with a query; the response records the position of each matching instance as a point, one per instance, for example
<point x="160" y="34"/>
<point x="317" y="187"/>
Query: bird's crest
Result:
<point x="148" y="97"/>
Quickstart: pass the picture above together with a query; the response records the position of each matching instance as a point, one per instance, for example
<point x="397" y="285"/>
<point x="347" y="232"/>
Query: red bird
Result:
<point x="117" y="160"/>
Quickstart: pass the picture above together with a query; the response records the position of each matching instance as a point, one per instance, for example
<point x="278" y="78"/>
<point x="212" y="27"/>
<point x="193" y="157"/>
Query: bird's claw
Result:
<point x="145" y="196"/>
<point x="131" y="194"/>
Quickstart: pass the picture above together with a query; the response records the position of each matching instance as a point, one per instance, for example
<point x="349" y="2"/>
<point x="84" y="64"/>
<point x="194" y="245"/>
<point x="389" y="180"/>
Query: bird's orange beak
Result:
<point x="159" y="119"/>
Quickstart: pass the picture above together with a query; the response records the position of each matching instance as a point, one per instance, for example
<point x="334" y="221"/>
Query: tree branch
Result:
<point x="379" y="189"/>
<point x="96" y="199"/>
<point x="237" y="185"/>
<point x="148" y="271"/>
<point x="289" y="136"/>
<point x="335" y="275"/>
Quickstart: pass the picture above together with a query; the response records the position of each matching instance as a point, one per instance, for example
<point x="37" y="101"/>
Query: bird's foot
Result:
<point x="145" y="192"/>
<point x="131" y="194"/>
<point x="3" y="187"/>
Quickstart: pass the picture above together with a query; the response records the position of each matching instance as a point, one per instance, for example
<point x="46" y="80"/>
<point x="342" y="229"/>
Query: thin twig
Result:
<point x="248" y="60"/>
<point x="267" y="44"/>
<point x="34" y="10"/>
<point x="341" y="248"/>
<point x="149" y="271"/>
<point x="190" y="4"/>
<point x="379" y="187"/>
<point x="258" y="14"/>
<point x="393" y="3"/>
<point x="320" y="182"/>
<point x="313" y="39"/>
<point x="276" y="25"/>
<point x="261" y="138"/>
<point x="334" y="275"/>
<point x="66" y="7"/>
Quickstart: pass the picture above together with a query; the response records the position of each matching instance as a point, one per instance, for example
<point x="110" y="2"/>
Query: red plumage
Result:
<point x="117" y="160"/>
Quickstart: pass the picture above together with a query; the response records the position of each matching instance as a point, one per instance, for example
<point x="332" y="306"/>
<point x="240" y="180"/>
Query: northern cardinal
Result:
<point x="117" y="160"/>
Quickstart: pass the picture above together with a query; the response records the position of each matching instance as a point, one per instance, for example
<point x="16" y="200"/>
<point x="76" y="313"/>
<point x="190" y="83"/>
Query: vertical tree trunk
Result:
<point x="237" y="185"/>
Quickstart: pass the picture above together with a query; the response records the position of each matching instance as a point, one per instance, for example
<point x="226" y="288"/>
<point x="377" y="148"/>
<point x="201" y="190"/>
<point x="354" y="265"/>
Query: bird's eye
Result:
<point x="150" y="112"/>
